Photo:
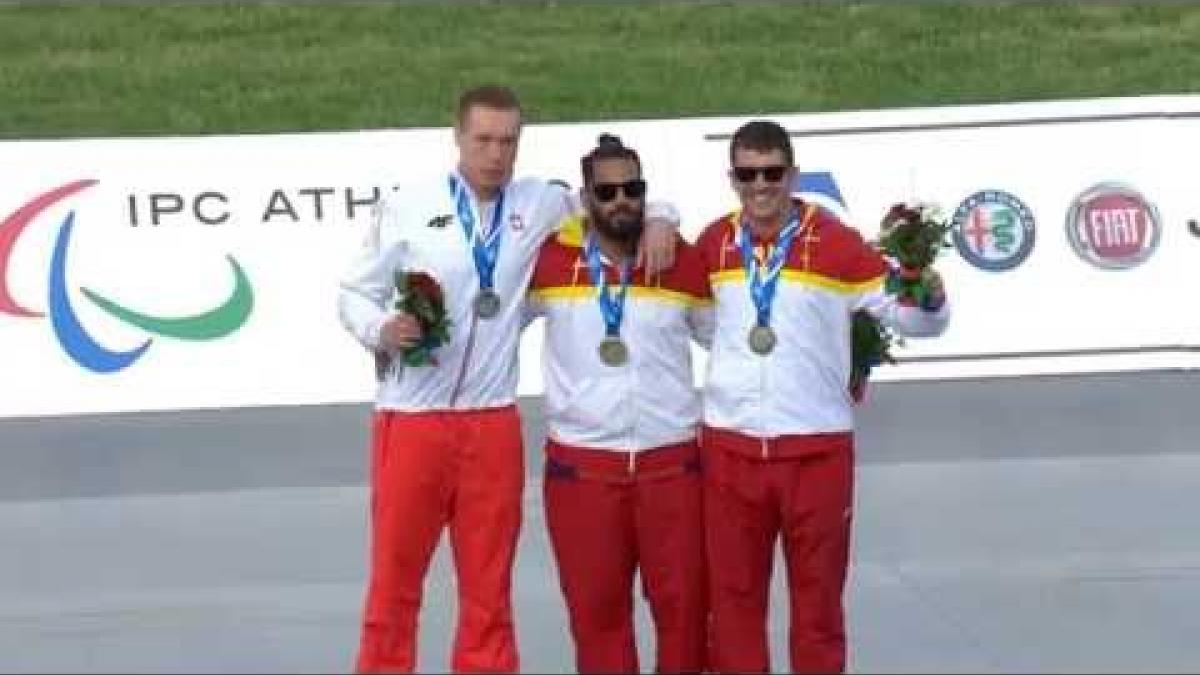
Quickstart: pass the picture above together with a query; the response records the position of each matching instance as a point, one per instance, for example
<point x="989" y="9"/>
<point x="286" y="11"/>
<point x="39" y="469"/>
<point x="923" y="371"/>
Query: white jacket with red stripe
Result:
<point x="416" y="228"/>
<point x="801" y="387"/>
<point x="650" y="401"/>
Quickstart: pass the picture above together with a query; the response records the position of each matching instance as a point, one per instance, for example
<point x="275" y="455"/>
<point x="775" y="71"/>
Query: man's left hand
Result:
<point x="656" y="250"/>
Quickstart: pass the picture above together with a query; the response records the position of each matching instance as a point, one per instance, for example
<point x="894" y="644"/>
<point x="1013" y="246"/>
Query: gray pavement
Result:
<point x="1040" y="524"/>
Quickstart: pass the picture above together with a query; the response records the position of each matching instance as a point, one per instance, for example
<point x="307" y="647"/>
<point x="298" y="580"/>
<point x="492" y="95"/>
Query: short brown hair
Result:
<point x="762" y="136"/>
<point x="493" y="96"/>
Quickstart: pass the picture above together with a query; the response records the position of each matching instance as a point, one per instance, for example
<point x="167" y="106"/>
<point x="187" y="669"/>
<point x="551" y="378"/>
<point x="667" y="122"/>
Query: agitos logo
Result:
<point x="70" y="332"/>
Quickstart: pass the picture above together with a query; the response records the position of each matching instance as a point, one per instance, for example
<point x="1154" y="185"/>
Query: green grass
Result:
<point x="90" y="70"/>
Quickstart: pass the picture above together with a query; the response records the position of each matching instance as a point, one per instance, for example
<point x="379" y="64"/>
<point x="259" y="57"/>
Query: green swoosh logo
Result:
<point x="219" y="322"/>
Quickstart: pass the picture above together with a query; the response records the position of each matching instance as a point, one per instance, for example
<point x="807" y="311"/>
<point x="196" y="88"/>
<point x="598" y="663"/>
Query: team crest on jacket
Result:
<point x="440" y="221"/>
<point x="516" y="222"/>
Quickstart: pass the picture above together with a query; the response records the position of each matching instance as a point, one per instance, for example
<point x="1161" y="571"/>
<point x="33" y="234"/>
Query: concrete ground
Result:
<point x="1038" y="524"/>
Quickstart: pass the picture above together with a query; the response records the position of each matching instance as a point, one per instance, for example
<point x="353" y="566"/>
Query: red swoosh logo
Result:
<point x="11" y="229"/>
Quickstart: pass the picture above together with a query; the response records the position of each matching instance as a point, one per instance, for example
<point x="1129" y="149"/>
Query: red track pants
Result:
<point x="608" y="520"/>
<point x="804" y="493"/>
<point x="429" y="470"/>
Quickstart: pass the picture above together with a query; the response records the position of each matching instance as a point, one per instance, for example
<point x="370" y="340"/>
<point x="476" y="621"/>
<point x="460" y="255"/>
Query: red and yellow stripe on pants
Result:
<point x="608" y="518"/>
<point x="429" y="470"/>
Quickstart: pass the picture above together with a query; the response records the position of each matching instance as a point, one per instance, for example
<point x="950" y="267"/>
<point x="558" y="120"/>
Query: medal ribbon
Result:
<point x="612" y="309"/>
<point x="485" y="248"/>
<point x="763" y="279"/>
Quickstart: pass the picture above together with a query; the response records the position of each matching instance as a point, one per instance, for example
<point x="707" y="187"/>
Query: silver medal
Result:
<point x="613" y="351"/>
<point x="762" y="340"/>
<point x="487" y="304"/>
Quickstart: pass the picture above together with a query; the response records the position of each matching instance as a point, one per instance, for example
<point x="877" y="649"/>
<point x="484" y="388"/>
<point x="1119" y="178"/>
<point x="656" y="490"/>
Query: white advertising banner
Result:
<point x="193" y="272"/>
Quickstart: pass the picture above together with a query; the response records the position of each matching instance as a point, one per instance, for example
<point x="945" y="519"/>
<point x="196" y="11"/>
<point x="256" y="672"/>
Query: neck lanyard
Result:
<point x="485" y="248"/>
<point x="763" y="279"/>
<point x="612" y="309"/>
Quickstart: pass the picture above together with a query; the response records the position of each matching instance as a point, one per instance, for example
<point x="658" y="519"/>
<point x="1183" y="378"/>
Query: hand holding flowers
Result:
<point x="422" y="325"/>
<point x="910" y="236"/>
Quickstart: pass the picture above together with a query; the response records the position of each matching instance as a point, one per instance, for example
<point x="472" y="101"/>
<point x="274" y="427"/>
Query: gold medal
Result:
<point x="762" y="340"/>
<point x="487" y="304"/>
<point x="613" y="351"/>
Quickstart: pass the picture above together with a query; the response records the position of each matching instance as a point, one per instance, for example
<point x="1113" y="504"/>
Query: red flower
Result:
<point x="899" y="213"/>
<point x="419" y="295"/>
<point x="424" y="285"/>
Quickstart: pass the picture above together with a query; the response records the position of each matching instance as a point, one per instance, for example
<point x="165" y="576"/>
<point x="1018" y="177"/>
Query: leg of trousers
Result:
<point x="816" y="495"/>
<point x="423" y="467"/>
<point x="484" y="526"/>
<point x="741" y="522"/>
<point x="595" y="547"/>
<point x="670" y="541"/>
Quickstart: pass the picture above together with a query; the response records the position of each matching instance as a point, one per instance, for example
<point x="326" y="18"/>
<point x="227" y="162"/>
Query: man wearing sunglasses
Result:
<point x="446" y="445"/>
<point x="622" y="482"/>
<point x="777" y="436"/>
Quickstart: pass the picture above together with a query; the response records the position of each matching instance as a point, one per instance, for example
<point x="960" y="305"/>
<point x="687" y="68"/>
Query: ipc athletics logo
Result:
<point x="993" y="230"/>
<point x="74" y="339"/>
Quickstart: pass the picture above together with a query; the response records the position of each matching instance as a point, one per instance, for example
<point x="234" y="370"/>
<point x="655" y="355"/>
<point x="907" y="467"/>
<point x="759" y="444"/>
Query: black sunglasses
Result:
<point x="606" y="192"/>
<point x="747" y="174"/>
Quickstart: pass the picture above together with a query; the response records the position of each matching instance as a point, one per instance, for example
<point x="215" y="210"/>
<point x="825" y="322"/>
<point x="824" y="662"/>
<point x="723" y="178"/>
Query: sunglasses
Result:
<point x="747" y="174"/>
<point x="606" y="192"/>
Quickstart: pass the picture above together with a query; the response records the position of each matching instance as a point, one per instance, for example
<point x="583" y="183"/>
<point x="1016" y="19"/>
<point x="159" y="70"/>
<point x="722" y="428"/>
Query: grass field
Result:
<point x="89" y="70"/>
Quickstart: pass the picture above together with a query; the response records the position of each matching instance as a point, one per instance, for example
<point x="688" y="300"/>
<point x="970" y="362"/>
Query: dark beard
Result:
<point x="624" y="228"/>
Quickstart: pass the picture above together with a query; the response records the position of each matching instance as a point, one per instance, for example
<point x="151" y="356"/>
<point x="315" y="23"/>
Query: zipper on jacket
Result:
<point x="633" y="404"/>
<point x="466" y="360"/>
<point x="762" y="407"/>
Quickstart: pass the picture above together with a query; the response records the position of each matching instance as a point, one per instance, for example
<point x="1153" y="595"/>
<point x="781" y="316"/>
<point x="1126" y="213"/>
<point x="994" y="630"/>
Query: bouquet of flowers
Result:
<point x="870" y="345"/>
<point x="419" y="295"/>
<point x="911" y="236"/>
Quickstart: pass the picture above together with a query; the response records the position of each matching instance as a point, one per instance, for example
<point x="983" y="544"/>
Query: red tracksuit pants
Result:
<point x="802" y="492"/>
<point x="609" y="520"/>
<point x="430" y="470"/>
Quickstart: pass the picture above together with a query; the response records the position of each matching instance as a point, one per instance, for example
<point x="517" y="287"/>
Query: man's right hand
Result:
<point x="399" y="332"/>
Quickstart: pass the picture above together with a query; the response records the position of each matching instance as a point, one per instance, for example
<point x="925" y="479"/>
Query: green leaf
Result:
<point x="416" y="356"/>
<point x="920" y="294"/>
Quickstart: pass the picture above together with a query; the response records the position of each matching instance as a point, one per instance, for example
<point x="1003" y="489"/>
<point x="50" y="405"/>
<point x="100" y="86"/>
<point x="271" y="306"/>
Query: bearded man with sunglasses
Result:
<point x="777" y="436"/>
<point x="622" y="481"/>
<point x="446" y="445"/>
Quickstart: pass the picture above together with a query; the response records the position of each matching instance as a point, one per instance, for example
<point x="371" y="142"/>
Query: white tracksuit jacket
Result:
<point x="416" y="228"/>
<point x="649" y="402"/>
